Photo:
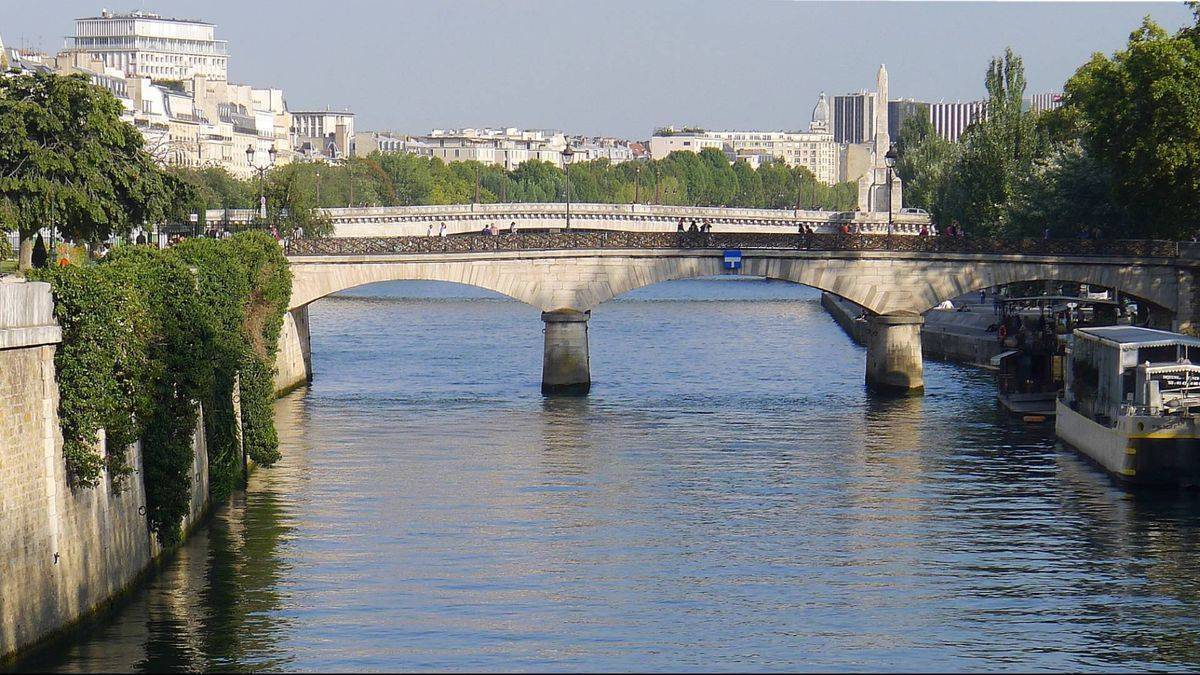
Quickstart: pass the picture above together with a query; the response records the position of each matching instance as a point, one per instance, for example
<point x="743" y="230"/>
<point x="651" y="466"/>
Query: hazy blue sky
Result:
<point x="618" y="66"/>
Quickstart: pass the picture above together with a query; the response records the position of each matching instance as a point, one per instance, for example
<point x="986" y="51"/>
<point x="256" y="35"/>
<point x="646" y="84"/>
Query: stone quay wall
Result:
<point x="65" y="552"/>
<point x="943" y="336"/>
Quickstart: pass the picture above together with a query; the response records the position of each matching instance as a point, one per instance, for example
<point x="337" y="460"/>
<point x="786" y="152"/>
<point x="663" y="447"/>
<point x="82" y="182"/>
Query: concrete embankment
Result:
<point x="65" y="551"/>
<point x="947" y="334"/>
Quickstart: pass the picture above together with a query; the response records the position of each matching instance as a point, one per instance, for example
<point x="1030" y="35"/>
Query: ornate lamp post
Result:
<point x="262" y="172"/>
<point x="318" y="188"/>
<point x="637" y="182"/>
<point x="890" y="160"/>
<point x="567" y="155"/>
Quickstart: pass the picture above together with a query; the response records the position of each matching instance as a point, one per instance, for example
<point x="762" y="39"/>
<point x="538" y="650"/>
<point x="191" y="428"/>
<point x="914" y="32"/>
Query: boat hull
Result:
<point x="1142" y="450"/>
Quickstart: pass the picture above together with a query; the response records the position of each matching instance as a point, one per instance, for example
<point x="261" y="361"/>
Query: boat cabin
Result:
<point x="1127" y="370"/>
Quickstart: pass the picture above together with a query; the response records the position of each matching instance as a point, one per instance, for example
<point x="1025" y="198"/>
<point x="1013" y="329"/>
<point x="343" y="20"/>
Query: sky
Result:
<point x="618" y="67"/>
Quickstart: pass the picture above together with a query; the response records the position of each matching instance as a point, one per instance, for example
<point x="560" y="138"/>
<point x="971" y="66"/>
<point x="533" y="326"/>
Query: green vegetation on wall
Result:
<point x="148" y="336"/>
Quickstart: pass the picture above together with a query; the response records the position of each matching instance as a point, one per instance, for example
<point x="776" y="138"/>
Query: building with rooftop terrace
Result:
<point x="143" y="44"/>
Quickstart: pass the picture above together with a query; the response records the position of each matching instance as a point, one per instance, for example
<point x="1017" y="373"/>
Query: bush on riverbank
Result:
<point x="148" y="335"/>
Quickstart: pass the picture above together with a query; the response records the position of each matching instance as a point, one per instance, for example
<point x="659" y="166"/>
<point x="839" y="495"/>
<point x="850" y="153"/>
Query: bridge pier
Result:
<point x="566" y="369"/>
<point x="293" y="360"/>
<point x="894" y="353"/>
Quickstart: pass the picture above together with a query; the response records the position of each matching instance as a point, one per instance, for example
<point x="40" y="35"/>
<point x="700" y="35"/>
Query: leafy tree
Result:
<point x="1138" y="117"/>
<point x="1066" y="193"/>
<point x="996" y="152"/>
<point x="924" y="162"/>
<point x="749" y="186"/>
<point x="67" y="158"/>
<point x="292" y="202"/>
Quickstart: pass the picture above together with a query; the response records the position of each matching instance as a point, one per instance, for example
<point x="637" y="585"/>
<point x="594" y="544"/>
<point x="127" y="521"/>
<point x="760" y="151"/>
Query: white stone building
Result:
<point x="814" y="149"/>
<point x="507" y="148"/>
<point x="327" y="134"/>
<point x="142" y="44"/>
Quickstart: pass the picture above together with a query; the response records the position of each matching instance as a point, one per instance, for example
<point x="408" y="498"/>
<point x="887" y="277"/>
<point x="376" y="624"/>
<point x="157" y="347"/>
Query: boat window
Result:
<point x="1164" y="354"/>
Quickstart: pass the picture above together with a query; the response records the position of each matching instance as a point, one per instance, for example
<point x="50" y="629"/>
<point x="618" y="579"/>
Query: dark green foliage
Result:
<point x="67" y="158"/>
<point x="102" y="365"/>
<point x="148" y="336"/>
<point x="1138" y="115"/>
<point x="1121" y="156"/>
<point x="294" y="191"/>
<point x="246" y="284"/>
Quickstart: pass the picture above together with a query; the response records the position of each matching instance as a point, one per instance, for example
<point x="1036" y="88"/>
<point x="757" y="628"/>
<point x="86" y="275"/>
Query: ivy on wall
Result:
<point x="148" y="336"/>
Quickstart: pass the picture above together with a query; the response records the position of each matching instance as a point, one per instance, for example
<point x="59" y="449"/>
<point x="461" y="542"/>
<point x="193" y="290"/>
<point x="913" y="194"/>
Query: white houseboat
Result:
<point x="1131" y="402"/>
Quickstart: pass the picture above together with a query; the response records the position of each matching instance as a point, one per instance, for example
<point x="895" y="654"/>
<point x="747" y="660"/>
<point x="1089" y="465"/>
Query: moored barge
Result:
<point x="1131" y="403"/>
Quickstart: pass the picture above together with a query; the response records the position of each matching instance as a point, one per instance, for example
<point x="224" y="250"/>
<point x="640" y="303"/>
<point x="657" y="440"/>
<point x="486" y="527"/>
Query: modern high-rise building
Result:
<point x="1044" y="102"/>
<point x="950" y="120"/>
<point x="901" y="110"/>
<point x="142" y="44"/>
<point x="854" y="117"/>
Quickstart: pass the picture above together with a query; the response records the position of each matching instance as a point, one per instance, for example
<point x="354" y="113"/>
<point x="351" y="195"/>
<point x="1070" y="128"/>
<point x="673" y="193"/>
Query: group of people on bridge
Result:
<point x="695" y="228"/>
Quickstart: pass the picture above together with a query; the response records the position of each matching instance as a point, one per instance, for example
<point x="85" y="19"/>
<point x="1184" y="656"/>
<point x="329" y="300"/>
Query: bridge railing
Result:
<point x="602" y="239"/>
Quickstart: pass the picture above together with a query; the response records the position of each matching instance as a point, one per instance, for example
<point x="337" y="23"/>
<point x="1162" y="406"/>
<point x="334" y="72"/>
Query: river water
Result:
<point x="729" y="497"/>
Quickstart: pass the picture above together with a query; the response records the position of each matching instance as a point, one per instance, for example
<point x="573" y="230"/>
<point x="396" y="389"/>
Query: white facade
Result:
<point x="325" y="133"/>
<point x="1044" y="102"/>
<point x="507" y="148"/>
<point x="814" y="150"/>
<point x="950" y="120"/>
<point x="142" y="44"/>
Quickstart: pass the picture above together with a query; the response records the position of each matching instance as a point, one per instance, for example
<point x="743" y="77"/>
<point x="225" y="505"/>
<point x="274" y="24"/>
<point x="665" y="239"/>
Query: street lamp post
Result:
<point x="657" y="194"/>
<point x="637" y="183"/>
<point x="318" y="188"/>
<point x="567" y="155"/>
<point x="799" y="185"/>
<point x="890" y="160"/>
<point x="262" y="173"/>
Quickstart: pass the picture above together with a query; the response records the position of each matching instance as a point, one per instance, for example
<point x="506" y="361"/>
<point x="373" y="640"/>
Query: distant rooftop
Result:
<point x="1134" y="336"/>
<point x="139" y="14"/>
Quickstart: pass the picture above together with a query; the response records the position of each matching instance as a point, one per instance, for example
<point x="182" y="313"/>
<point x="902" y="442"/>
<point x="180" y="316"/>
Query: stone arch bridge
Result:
<point x="568" y="274"/>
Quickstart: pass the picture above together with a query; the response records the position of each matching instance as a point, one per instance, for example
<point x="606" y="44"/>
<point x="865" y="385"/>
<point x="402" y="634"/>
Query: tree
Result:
<point x="1066" y="193"/>
<point x="924" y="161"/>
<point x="997" y="150"/>
<point x="1138" y="117"/>
<point x="292" y="202"/>
<point x="749" y="186"/>
<point x="67" y="159"/>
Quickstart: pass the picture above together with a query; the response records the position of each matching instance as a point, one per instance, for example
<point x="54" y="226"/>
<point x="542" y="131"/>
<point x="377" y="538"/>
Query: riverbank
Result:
<point x="133" y="393"/>
<point x="66" y="552"/>
<point x="948" y="335"/>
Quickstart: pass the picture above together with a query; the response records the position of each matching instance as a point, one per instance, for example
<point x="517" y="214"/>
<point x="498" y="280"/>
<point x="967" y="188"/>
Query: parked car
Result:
<point x="914" y="211"/>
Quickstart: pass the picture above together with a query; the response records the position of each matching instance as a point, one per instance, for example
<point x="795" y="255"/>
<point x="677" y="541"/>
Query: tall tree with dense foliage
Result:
<point x="1138" y="114"/>
<point x="924" y="163"/>
<point x="67" y="159"/>
<point x="996" y="152"/>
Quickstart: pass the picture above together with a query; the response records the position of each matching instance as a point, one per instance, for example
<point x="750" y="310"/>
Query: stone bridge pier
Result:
<point x="566" y="370"/>
<point x="894" y="353"/>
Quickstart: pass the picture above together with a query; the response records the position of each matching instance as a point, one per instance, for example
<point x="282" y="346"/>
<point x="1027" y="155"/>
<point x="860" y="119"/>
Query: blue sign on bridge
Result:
<point x="733" y="259"/>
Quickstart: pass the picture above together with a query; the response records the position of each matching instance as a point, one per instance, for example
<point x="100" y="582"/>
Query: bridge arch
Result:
<point x="896" y="288"/>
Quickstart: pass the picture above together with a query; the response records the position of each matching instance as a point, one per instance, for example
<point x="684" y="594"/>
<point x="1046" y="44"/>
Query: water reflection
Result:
<point x="709" y="506"/>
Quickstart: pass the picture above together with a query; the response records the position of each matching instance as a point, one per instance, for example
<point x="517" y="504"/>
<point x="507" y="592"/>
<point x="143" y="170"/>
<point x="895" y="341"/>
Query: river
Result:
<point x="729" y="497"/>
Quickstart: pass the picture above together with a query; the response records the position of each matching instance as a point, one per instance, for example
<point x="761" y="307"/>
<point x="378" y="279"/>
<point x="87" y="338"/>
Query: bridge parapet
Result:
<point x="608" y="239"/>
<point x="413" y="220"/>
